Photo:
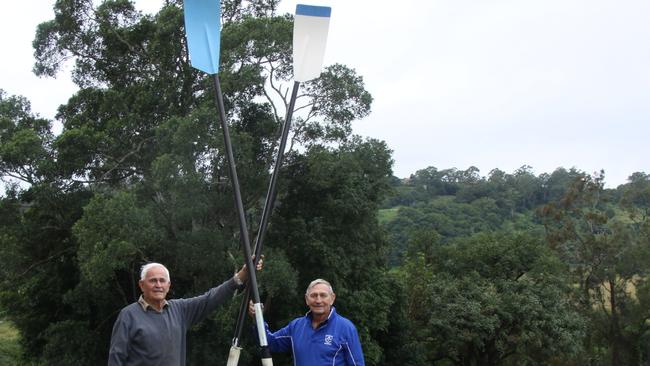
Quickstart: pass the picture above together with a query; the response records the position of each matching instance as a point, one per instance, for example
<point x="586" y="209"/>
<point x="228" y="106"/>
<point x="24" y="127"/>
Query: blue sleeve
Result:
<point x="354" y="354"/>
<point x="279" y="341"/>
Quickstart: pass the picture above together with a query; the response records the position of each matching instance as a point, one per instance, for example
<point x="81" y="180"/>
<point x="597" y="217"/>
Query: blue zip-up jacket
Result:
<point x="334" y="343"/>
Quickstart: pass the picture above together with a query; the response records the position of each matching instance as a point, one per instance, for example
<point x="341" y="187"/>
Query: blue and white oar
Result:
<point x="310" y="28"/>
<point x="203" y="30"/>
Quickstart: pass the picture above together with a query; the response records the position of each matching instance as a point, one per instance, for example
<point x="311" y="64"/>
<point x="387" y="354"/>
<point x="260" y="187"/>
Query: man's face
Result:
<point x="320" y="300"/>
<point x="155" y="285"/>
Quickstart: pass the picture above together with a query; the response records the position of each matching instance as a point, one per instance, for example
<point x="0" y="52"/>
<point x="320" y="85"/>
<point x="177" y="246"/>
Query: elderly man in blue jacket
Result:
<point x="320" y="338"/>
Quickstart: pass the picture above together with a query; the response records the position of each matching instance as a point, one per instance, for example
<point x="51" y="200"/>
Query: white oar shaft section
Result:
<point x="259" y="321"/>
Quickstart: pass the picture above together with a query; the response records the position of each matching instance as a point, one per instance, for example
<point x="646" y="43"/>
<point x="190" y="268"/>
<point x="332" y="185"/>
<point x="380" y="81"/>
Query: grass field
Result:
<point x="387" y="214"/>
<point x="9" y="348"/>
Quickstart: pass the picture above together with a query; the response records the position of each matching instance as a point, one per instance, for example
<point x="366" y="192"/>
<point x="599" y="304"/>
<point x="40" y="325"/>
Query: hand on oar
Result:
<point x="251" y="308"/>
<point x="242" y="275"/>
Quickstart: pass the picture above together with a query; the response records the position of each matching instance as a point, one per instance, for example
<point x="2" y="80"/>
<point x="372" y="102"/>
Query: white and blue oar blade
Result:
<point x="203" y="31"/>
<point x="310" y="28"/>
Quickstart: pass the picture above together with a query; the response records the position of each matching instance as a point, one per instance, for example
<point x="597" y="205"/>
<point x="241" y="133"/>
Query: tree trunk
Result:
<point x="614" y="327"/>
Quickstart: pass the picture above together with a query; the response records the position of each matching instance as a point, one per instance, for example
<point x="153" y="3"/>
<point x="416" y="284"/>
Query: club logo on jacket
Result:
<point x="328" y="339"/>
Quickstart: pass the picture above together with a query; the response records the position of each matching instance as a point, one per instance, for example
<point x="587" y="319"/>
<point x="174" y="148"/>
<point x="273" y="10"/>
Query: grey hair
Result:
<point x="319" y="281"/>
<point x="145" y="268"/>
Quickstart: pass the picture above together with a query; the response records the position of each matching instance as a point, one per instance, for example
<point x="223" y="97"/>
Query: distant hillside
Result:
<point x="453" y="203"/>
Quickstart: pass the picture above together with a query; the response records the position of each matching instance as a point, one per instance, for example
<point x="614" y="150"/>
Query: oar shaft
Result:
<point x="243" y="227"/>
<point x="271" y="193"/>
<point x="241" y="318"/>
<point x="269" y="203"/>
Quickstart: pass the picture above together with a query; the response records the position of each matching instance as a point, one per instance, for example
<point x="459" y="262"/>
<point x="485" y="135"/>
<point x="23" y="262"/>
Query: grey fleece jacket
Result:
<point x="150" y="338"/>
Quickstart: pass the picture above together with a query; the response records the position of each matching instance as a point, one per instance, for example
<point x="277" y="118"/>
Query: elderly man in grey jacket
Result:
<point x="152" y="331"/>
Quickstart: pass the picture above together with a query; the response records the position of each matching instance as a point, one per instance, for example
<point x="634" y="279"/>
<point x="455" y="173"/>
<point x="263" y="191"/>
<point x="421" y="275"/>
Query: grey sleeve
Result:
<point x="198" y="308"/>
<point x="118" y="350"/>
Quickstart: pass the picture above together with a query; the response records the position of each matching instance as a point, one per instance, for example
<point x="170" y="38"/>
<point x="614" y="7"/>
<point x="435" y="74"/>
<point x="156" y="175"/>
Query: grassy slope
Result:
<point x="386" y="215"/>
<point x="9" y="348"/>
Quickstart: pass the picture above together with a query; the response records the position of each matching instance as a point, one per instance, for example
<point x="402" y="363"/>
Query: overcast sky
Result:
<point x="456" y="83"/>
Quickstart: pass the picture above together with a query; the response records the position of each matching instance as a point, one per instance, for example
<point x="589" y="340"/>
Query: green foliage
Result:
<point x="72" y="342"/>
<point x="9" y="346"/>
<point x="24" y="141"/>
<point x="458" y="203"/>
<point x="38" y="257"/>
<point x="449" y="218"/>
<point x="607" y="256"/>
<point x="491" y="299"/>
<point x="115" y="233"/>
<point x="386" y="215"/>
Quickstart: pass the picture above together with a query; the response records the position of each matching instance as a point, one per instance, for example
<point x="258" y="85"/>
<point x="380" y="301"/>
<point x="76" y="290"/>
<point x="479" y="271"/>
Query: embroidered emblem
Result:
<point x="328" y="339"/>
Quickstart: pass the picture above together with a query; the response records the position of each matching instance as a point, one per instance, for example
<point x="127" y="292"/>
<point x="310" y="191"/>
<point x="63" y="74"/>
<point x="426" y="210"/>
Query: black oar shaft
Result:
<point x="271" y="193"/>
<point x="243" y="227"/>
<point x="268" y="206"/>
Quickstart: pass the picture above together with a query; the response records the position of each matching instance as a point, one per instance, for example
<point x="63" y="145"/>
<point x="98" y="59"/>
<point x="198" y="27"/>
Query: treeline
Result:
<point x="518" y="269"/>
<point x="458" y="203"/>
<point x="446" y="268"/>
